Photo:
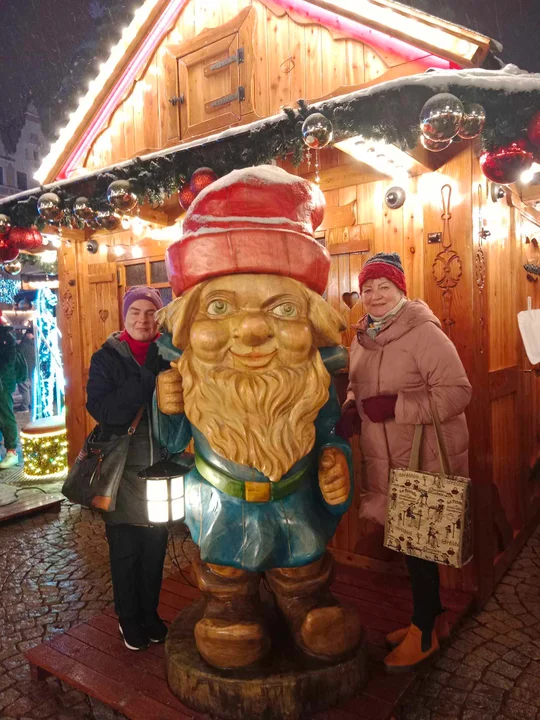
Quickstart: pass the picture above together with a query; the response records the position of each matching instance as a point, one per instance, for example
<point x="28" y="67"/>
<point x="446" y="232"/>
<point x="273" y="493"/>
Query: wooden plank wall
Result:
<point x="290" y="59"/>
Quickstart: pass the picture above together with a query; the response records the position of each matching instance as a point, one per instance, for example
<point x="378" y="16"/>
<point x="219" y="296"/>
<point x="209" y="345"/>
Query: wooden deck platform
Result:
<point x="92" y="657"/>
<point x="27" y="502"/>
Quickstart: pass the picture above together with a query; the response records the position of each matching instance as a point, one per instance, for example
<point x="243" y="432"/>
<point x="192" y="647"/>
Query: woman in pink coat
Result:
<point x="399" y="360"/>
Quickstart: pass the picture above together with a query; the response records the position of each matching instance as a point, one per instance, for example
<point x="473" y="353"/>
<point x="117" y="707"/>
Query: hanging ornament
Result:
<point x="185" y="196"/>
<point x="433" y="145"/>
<point x="82" y="209"/>
<point x="8" y="253"/>
<point x="441" y="117"/>
<point x="473" y="121"/>
<point x="121" y="196"/>
<point x="201" y="178"/>
<point x="533" y="133"/>
<point x="5" y="225"/>
<point x="317" y="131"/>
<point x="12" y="267"/>
<point x="26" y="238"/>
<point x="107" y="219"/>
<point x="505" y="164"/>
<point x="50" y="207"/>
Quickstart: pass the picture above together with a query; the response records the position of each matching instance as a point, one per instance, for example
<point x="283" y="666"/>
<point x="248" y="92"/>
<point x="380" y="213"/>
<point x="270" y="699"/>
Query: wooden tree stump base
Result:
<point x="286" y="685"/>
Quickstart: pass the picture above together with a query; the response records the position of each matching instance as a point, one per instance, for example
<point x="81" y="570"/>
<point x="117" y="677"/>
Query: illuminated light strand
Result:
<point x="149" y="44"/>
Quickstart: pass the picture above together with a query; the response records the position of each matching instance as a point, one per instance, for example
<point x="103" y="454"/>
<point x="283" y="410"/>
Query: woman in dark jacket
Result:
<point x="122" y="379"/>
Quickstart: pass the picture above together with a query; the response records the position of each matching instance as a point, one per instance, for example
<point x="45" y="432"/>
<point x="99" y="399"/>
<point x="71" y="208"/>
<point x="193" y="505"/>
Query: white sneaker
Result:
<point x="10" y="460"/>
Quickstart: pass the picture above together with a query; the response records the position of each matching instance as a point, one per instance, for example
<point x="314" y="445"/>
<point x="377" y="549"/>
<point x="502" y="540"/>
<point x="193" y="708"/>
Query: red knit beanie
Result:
<point x="384" y="265"/>
<point x="257" y="220"/>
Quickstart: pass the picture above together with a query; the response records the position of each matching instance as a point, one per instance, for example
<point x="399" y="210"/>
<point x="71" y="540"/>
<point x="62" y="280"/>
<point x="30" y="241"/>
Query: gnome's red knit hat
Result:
<point x="257" y="220"/>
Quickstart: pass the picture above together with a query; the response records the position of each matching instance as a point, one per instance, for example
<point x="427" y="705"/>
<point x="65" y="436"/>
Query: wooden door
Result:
<point x="215" y="77"/>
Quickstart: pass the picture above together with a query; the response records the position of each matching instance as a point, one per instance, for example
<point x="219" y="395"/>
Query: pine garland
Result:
<point x="371" y="114"/>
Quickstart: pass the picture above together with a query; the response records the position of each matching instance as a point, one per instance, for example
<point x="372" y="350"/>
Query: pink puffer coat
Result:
<point x="410" y="357"/>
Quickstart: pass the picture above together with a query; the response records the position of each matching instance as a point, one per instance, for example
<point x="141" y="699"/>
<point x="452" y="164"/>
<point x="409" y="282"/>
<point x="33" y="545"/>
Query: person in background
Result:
<point x="400" y="359"/>
<point x="28" y="349"/>
<point x="8" y="424"/>
<point x="122" y="379"/>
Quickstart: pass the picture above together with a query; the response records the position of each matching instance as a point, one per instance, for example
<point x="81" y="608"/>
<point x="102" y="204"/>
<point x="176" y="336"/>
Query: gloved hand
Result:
<point x="349" y="423"/>
<point x="380" y="407"/>
<point x="152" y="361"/>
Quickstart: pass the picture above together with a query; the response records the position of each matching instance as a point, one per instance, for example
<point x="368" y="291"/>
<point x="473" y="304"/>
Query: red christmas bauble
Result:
<point x="533" y="130"/>
<point x="505" y="164"/>
<point x="25" y="238"/>
<point x="201" y="178"/>
<point x="186" y="196"/>
<point x="8" y="253"/>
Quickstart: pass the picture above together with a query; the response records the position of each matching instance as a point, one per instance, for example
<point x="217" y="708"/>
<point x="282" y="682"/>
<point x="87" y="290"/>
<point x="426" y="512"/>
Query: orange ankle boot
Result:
<point x="408" y="655"/>
<point x="442" y="628"/>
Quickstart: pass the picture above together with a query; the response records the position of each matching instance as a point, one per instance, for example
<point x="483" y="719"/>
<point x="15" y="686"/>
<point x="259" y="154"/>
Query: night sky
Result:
<point x="51" y="48"/>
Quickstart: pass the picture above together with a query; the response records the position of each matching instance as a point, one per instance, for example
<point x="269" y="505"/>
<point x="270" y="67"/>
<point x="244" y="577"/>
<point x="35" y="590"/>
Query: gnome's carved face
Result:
<point x="252" y="323"/>
<point x="253" y="378"/>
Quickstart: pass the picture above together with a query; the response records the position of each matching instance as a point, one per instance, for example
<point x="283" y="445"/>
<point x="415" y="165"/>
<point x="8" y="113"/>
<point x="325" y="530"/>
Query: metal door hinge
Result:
<point x="238" y="58"/>
<point x="239" y="95"/>
<point x="177" y="100"/>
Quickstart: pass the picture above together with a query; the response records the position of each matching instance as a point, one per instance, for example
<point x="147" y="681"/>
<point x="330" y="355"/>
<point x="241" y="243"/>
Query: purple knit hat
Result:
<point x="141" y="292"/>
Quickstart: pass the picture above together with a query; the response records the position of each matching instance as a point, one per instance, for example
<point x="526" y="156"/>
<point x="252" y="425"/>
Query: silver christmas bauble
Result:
<point x="12" y="268"/>
<point x="50" y="207"/>
<point x="121" y="196"/>
<point x="5" y="224"/>
<point x="106" y="219"/>
<point x="82" y="209"/>
<point x="441" y="117"/>
<point x="434" y="146"/>
<point x="317" y="131"/>
<point x="472" y="122"/>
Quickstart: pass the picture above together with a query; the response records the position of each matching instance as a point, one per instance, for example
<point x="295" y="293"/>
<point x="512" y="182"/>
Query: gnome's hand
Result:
<point x="334" y="479"/>
<point x="170" y="393"/>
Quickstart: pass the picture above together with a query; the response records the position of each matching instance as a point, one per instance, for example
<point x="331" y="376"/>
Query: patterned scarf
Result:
<point x="375" y="325"/>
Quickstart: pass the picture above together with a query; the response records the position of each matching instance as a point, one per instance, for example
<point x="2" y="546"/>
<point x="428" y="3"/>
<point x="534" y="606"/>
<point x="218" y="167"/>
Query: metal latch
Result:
<point x="177" y="100"/>
<point x="238" y="57"/>
<point x="239" y="95"/>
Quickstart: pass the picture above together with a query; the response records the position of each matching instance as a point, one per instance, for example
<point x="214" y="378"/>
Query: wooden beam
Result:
<point x="425" y="38"/>
<point x="354" y="173"/>
<point x="503" y="382"/>
<point x="339" y="217"/>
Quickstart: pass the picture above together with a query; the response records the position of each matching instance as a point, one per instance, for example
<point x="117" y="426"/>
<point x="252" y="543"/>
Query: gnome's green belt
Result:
<point x="249" y="491"/>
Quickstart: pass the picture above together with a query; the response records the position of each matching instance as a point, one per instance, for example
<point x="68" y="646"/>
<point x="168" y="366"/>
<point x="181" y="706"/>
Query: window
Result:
<point x="26" y="154"/>
<point x="34" y="138"/>
<point x="36" y="155"/>
<point x="1" y="175"/>
<point x="22" y="181"/>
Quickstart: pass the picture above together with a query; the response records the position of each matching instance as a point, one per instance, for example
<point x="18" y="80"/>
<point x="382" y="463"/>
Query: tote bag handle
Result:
<point x="414" y="463"/>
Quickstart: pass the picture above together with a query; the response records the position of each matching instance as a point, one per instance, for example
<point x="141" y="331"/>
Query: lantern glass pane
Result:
<point x="156" y="490"/>
<point x="178" y="509"/>
<point x="177" y="487"/>
<point x="158" y="512"/>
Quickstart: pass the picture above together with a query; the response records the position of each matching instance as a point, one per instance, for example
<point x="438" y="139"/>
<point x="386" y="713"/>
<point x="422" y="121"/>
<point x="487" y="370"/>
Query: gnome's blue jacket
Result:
<point x="289" y="531"/>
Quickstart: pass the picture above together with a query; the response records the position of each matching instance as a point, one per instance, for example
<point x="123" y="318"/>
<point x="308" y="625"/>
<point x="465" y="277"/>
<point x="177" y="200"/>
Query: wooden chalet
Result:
<point x="187" y="70"/>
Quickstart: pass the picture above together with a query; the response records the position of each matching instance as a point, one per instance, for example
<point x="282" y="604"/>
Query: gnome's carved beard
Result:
<point x="262" y="420"/>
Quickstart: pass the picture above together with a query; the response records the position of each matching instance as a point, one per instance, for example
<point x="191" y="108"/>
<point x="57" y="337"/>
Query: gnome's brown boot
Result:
<point x="231" y="633"/>
<point x="319" y="624"/>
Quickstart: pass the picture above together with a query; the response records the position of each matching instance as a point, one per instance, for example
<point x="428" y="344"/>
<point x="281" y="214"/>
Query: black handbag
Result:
<point x="94" y="479"/>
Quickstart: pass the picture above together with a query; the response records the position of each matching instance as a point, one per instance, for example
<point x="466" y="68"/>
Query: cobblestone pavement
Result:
<point x="54" y="573"/>
<point x="491" y="669"/>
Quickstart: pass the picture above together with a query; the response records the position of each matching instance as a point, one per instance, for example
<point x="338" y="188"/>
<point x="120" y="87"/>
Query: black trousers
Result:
<point x="426" y="594"/>
<point x="137" y="555"/>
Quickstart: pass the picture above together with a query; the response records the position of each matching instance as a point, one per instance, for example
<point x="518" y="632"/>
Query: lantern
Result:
<point x="165" y="488"/>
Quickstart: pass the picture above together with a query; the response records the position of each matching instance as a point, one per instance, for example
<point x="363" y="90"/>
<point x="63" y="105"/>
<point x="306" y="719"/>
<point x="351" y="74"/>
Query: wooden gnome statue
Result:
<point x="272" y="479"/>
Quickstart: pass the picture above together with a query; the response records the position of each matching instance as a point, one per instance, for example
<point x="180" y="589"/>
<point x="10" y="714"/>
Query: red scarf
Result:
<point x="139" y="348"/>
